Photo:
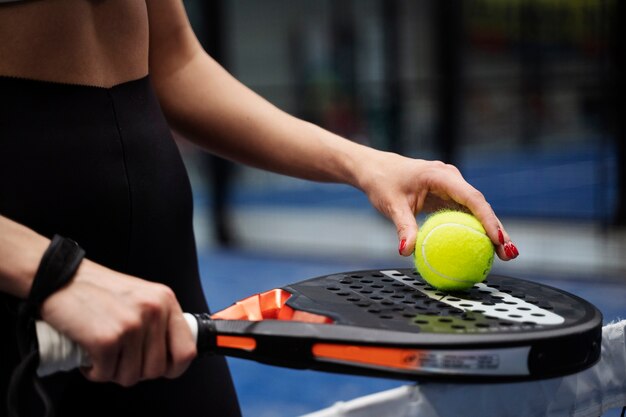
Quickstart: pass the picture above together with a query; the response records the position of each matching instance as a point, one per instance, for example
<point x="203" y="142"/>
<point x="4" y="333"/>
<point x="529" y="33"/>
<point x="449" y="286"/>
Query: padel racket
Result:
<point x="392" y="324"/>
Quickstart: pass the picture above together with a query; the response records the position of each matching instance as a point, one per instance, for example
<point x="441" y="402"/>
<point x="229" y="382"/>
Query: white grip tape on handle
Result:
<point x="59" y="353"/>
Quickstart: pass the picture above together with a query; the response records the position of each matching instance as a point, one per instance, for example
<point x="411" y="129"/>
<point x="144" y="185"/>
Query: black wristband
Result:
<point x="57" y="267"/>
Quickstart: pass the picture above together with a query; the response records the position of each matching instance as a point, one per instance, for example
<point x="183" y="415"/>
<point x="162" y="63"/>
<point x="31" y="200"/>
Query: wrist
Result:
<point x="21" y="250"/>
<point x="56" y="269"/>
<point x="371" y="168"/>
<point x="351" y="162"/>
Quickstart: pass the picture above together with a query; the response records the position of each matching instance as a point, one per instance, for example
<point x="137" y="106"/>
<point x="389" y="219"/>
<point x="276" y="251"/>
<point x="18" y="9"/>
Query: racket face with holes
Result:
<point x="391" y="323"/>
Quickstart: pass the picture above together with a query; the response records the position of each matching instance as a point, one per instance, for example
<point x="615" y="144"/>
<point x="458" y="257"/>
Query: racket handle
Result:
<point x="59" y="353"/>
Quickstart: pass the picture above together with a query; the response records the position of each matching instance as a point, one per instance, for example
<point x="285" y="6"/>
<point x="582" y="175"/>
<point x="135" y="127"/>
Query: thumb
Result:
<point x="406" y="226"/>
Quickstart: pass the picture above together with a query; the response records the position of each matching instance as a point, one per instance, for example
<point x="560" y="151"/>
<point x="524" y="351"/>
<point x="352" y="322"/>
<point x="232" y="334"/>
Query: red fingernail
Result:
<point x="500" y="236"/>
<point x="514" y="249"/>
<point x="402" y="246"/>
<point x="508" y="251"/>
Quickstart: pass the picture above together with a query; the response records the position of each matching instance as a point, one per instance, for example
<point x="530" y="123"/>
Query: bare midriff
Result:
<point x="88" y="42"/>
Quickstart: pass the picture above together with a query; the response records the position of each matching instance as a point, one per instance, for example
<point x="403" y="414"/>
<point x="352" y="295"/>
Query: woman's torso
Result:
<point x="89" y="42"/>
<point x="99" y="165"/>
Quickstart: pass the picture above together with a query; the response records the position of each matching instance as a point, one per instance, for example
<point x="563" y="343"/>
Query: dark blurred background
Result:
<point x="452" y="80"/>
<point x="526" y="97"/>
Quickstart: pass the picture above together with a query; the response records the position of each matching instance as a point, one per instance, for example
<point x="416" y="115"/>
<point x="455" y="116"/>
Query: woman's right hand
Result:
<point x="131" y="329"/>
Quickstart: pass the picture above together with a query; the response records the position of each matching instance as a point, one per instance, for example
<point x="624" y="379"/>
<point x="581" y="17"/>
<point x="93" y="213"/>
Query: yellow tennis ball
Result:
<point x="452" y="251"/>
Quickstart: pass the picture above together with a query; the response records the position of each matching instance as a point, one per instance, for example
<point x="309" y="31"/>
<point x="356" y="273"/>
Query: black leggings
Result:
<point x="99" y="165"/>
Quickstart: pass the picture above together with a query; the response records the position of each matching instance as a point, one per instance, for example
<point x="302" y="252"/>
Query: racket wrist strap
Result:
<point x="56" y="269"/>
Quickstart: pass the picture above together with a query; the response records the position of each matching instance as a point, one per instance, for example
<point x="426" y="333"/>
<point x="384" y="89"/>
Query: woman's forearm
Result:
<point x="21" y="250"/>
<point x="225" y="117"/>
<point x="210" y="107"/>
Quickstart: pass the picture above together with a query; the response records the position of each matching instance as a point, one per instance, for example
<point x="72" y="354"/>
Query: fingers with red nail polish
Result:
<point x="500" y="236"/>
<point x="510" y="250"/>
<point x="507" y="250"/>
<point x="402" y="246"/>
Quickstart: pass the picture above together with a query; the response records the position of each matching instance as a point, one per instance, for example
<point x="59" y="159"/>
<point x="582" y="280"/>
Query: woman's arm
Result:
<point x="213" y="109"/>
<point x="21" y="250"/>
<point x="131" y="328"/>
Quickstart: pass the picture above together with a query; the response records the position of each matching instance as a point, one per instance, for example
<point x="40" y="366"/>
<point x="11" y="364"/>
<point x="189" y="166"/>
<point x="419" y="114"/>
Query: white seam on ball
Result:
<point x="433" y="270"/>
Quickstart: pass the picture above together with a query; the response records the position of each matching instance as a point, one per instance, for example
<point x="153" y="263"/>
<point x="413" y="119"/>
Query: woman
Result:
<point x="85" y="152"/>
